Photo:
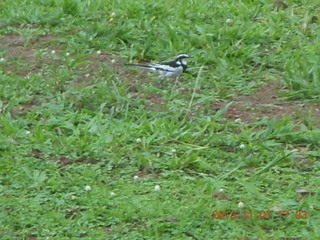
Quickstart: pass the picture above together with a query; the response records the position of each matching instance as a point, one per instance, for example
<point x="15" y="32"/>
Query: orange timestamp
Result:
<point x="261" y="215"/>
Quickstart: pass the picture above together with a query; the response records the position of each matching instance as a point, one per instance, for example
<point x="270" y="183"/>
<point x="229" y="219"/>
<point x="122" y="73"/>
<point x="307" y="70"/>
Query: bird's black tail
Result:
<point x="140" y="65"/>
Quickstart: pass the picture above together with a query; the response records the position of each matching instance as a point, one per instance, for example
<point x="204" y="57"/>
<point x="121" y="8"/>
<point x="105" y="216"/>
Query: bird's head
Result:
<point x="182" y="58"/>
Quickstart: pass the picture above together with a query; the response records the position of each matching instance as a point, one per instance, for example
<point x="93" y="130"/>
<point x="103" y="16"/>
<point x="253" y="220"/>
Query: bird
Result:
<point x="171" y="69"/>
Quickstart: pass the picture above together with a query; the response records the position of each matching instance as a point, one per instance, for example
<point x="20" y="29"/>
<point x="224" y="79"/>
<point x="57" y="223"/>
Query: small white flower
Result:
<point x="173" y="150"/>
<point x="28" y="132"/>
<point x="304" y="26"/>
<point x="113" y="14"/>
<point x="242" y="146"/>
<point x="112" y="194"/>
<point x="238" y="120"/>
<point x="135" y="177"/>
<point x="53" y="52"/>
<point x="99" y="52"/>
<point x="87" y="75"/>
<point x="228" y="20"/>
<point x="138" y="140"/>
<point x="113" y="61"/>
<point x="87" y="188"/>
<point x="1" y="59"/>
<point x="157" y="188"/>
<point x="67" y="54"/>
<point x="221" y="190"/>
<point x="240" y="205"/>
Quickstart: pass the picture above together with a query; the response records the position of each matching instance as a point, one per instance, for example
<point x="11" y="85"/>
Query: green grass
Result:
<point x="71" y="117"/>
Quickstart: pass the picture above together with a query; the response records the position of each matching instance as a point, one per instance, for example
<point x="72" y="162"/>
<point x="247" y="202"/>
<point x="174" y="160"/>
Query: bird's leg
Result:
<point x="175" y="84"/>
<point x="162" y="82"/>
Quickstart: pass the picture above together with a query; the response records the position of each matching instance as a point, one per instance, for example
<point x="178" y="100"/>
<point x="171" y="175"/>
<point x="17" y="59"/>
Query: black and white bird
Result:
<point x="171" y="69"/>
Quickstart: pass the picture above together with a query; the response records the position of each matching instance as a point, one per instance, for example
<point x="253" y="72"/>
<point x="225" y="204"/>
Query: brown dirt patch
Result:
<point x="93" y="63"/>
<point x="24" y="56"/>
<point x="147" y="173"/>
<point x="23" y="108"/>
<point x="19" y="50"/>
<point x="154" y="103"/>
<point x="104" y="57"/>
<point x="44" y="38"/>
<point x="11" y="40"/>
<point x="265" y="102"/>
<point x="15" y="50"/>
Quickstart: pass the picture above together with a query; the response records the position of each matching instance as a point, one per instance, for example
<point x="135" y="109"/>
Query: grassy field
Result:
<point x="93" y="149"/>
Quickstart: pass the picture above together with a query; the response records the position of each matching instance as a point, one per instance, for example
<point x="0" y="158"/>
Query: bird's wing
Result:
<point x="155" y="67"/>
<point x="173" y="64"/>
<point x="162" y="67"/>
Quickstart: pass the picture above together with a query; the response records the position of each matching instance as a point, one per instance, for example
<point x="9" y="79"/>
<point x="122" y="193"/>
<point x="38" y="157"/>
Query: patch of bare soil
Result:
<point x="154" y="103"/>
<point x="24" y="57"/>
<point x="12" y="40"/>
<point x="93" y="63"/>
<point x="18" y="49"/>
<point x="265" y="103"/>
<point x="23" y="108"/>
<point x="62" y="161"/>
<point x="147" y="173"/>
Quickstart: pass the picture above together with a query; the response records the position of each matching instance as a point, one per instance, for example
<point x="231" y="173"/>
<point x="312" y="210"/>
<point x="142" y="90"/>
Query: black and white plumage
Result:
<point x="168" y="69"/>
